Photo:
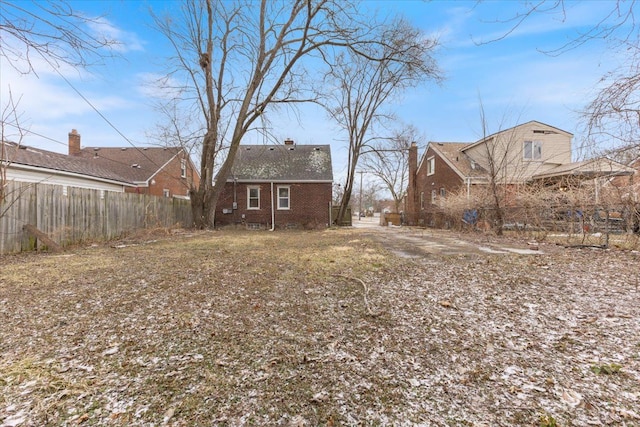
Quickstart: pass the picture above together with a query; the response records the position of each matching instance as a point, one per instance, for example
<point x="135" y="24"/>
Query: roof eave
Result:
<point x="67" y="173"/>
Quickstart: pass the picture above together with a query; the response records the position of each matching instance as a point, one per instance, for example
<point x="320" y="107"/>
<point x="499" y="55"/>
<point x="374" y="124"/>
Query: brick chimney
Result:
<point x="412" y="191"/>
<point x="74" y="142"/>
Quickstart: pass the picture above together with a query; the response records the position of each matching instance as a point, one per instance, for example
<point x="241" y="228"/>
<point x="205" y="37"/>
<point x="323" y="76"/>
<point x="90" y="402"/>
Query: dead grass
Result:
<point x="256" y="328"/>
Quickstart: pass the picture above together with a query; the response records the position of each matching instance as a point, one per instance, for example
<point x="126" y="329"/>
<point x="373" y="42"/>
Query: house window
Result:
<point x="422" y="200"/>
<point x="443" y="193"/>
<point x="434" y="195"/>
<point x="253" y="198"/>
<point x="431" y="165"/>
<point x="166" y="192"/>
<point x="283" y="197"/>
<point x="533" y="150"/>
<point x="183" y="168"/>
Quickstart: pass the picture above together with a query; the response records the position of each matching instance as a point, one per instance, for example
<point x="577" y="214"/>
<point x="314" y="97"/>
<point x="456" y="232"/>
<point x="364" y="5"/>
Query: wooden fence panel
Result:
<point x="18" y="209"/>
<point x="75" y="215"/>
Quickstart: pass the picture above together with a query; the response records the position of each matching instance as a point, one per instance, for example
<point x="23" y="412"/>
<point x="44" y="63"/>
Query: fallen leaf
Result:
<point x="572" y="398"/>
<point x="297" y="421"/>
<point x="112" y="350"/>
<point x="323" y="396"/>
<point x="168" y="415"/>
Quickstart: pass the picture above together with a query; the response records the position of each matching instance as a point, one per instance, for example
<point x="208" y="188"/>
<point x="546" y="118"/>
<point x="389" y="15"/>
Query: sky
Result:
<point x="512" y="77"/>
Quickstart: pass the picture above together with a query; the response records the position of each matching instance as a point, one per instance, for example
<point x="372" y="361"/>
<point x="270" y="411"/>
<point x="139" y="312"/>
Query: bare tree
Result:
<point x="236" y="60"/>
<point x="10" y="129"/>
<point x="388" y="160"/>
<point x="358" y="87"/>
<point x="500" y="155"/>
<point x="612" y="118"/>
<point x="53" y="31"/>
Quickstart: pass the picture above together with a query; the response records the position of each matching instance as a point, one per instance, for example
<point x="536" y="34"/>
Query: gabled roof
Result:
<point x="21" y="155"/>
<point x="282" y="163"/>
<point x="131" y="163"/>
<point x="452" y="153"/>
<point x="531" y="122"/>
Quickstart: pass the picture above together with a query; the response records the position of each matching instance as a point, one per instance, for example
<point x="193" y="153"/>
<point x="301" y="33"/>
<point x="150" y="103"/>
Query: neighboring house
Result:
<point x="278" y="186"/>
<point x="523" y="154"/>
<point x="157" y="171"/>
<point x="628" y="187"/>
<point x="32" y="165"/>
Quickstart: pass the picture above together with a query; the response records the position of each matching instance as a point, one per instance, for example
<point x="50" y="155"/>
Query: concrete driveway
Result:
<point x="414" y="242"/>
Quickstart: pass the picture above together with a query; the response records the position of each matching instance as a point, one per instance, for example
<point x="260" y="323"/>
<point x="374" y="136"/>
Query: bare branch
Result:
<point x="52" y="30"/>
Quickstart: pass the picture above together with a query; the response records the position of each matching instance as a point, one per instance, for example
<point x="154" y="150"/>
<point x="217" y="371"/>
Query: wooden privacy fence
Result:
<point x="73" y="215"/>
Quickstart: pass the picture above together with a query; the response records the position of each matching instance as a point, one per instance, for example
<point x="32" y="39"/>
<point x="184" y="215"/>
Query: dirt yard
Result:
<point x="317" y="329"/>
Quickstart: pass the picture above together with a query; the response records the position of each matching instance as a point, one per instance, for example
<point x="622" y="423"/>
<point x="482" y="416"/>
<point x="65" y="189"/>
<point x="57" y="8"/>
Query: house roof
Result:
<point x="301" y="163"/>
<point x="457" y="159"/>
<point x="17" y="154"/>
<point x="531" y="122"/>
<point x="592" y="168"/>
<point x="132" y="164"/>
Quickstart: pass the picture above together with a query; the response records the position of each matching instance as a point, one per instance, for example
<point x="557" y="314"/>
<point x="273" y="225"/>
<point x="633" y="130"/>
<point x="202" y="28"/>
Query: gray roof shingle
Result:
<point x="23" y="155"/>
<point x="282" y="163"/>
<point x="130" y="163"/>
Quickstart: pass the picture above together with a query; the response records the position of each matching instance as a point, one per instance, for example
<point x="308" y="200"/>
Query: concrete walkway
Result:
<point x="414" y="242"/>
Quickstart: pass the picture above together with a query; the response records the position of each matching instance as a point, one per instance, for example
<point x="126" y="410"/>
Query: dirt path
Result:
<point x="410" y="242"/>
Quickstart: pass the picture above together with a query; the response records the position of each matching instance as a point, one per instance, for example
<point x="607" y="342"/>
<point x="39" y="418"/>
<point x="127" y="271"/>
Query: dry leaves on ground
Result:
<point x="253" y="328"/>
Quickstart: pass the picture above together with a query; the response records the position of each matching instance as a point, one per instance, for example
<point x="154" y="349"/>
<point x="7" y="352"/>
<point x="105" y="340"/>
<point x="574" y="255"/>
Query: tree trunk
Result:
<point x="202" y="201"/>
<point x="498" y="215"/>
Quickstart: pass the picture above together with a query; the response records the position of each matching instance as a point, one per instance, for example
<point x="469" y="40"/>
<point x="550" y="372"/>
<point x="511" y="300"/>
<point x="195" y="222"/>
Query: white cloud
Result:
<point x="125" y="41"/>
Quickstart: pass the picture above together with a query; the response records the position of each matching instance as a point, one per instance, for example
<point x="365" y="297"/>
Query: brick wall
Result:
<point x="169" y="178"/>
<point x="443" y="178"/>
<point x="309" y="206"/>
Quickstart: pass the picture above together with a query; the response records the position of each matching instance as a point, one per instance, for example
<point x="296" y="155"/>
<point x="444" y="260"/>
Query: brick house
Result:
<point x="278" y="186"/>
<point x="629" y="187"/>
<point x="156" y="171"/>
<point x="525" y="153"/>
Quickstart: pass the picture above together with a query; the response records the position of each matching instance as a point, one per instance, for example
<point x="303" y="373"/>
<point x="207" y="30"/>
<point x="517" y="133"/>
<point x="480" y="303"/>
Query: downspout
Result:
<point x="234" y="206"/>
<point x="273" y="212"/>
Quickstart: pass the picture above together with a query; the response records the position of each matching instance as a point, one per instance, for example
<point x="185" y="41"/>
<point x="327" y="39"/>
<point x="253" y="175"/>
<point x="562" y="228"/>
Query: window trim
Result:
<point x="434" y="196"/>
<point x="249" y="188"/>
<point x="431" y="165"/>
<point x="288" y="198"/>
<point x="183" y="168"/>
<point x="422" y="200"/>
<point x="166" y="192"/>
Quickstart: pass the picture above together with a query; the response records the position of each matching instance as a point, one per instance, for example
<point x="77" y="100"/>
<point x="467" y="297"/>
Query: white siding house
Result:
<point x="25" y="164"/>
